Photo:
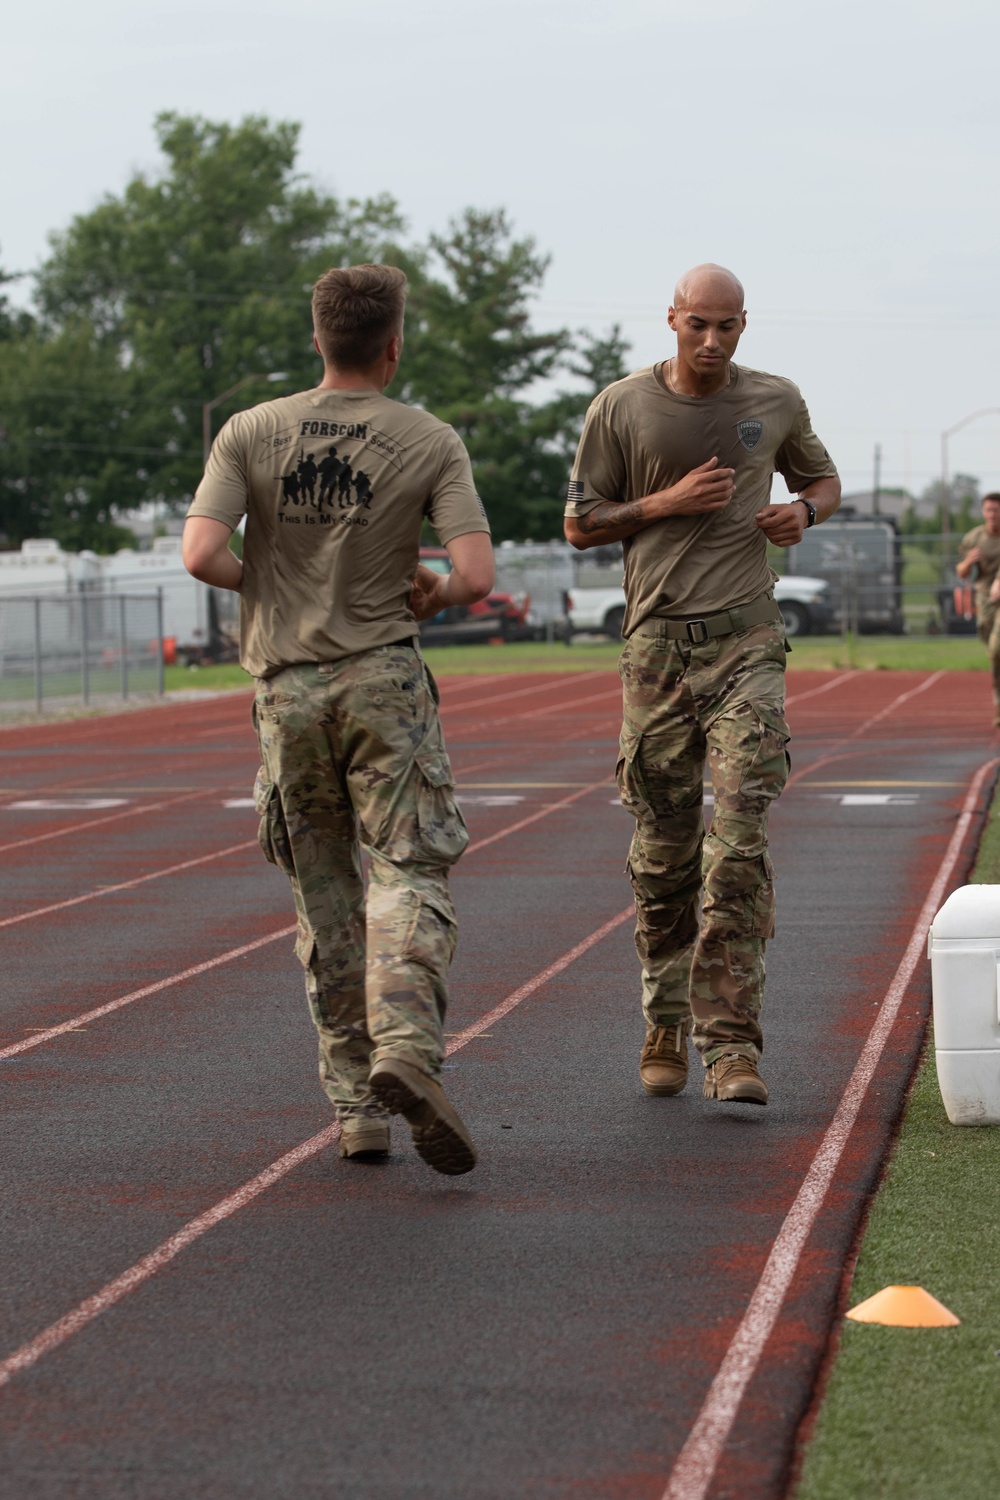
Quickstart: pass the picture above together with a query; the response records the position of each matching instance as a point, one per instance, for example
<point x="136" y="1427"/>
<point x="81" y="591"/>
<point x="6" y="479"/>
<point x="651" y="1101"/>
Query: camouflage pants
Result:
<point x="722" y="702"/>
<point x="353" y="755"/>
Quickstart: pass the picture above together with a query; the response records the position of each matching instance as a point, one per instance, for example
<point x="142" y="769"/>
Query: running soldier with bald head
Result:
<point x="676" y="463"/>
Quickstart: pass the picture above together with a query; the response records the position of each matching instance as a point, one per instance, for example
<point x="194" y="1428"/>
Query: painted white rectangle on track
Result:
<point x="875" y="799"/>
<point x="60" y="804"/>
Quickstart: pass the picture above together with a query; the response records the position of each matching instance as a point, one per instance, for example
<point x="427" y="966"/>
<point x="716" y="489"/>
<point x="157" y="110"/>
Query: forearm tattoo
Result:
<point x="610" y="513"/>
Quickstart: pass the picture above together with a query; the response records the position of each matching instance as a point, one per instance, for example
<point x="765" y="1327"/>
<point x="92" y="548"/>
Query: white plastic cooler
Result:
<point x="964" y="949"/>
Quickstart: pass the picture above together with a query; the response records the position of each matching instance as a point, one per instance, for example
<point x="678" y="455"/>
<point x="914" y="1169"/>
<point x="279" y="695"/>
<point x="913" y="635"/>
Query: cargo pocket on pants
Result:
<point x="442" y="834"/>
<point x="272" y="833"/>
<point x="629" y="776"/>
<point x="769" y="763"/>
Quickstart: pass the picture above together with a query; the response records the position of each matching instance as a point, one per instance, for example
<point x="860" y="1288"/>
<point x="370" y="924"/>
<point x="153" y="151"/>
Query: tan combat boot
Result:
<point x="663" y="1066"/>
<point x="438" y="1133"/>
<point x="364" y="1139"/>
<point x="734" y="1079"/>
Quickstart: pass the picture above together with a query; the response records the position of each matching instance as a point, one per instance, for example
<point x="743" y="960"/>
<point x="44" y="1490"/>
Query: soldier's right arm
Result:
<point x="969" y="555"/>
<point x="704" y="489"/>
<point x="598" y="509"/>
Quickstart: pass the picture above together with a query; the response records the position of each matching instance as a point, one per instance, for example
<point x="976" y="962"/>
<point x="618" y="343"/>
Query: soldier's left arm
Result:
<point x="784" y="524"/>
<point x="809" y="472"/>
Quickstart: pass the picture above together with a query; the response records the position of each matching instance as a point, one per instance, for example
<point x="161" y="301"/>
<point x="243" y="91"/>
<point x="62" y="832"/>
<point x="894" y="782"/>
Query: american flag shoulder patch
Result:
<point x="574" y="490"/>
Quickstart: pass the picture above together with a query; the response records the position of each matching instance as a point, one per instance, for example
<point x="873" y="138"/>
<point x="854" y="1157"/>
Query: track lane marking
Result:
<point x="74" y="1024"/>
<point x="116" y="1290"/>
<point x="824" y="688"/>
<point x="831" y="754"/>
<point x="47" y="1034"/>
<point x="543" y="812"/>
<point x="696" y="1464"/>
<point x="189" y="864"/>
<point x="541" y="687"/>
<point x="127" y="885"/>
<point x="130" y="812"/>
<point x="444" y="707"/>
<point x="567" y="706"/>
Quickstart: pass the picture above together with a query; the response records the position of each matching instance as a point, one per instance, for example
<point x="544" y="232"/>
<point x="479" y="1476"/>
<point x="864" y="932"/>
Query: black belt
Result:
<point x="705" y="628"/>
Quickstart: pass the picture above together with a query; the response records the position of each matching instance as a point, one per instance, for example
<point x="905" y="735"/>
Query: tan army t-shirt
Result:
<point x="335" y="486"/>
<point x="640" y="437"/>
<point x="987" y="566"/>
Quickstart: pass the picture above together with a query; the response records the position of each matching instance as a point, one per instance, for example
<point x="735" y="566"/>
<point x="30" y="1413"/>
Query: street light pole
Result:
<point x="986" y="411"/>
<point x="209" y="406"/>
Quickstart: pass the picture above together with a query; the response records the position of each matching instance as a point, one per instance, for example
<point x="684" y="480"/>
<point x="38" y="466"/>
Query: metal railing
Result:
<point x="83" y="645"/>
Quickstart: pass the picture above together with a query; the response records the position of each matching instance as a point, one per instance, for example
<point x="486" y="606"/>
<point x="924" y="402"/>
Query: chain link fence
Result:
<point x="85" y="646"/>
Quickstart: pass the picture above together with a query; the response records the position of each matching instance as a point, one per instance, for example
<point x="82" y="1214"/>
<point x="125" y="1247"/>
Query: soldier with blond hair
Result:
<point x="676" y="463"/>
<point x="346" y="710"/>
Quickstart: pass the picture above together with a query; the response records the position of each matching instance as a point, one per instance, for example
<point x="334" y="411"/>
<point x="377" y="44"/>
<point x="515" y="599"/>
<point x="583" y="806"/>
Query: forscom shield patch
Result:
<point x="750" y="433"/>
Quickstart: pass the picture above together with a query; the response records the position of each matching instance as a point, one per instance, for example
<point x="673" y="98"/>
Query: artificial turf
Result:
<point x="913" y="1412"/>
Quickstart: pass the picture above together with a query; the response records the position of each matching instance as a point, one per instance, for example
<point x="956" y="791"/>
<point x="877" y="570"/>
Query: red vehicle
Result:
<point x="497" y="617"/>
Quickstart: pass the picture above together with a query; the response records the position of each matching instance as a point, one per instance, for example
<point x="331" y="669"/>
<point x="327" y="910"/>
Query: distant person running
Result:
<point x="676" y="462"/>
<point x="346" y="711"/>
<point x="979" y="562"/>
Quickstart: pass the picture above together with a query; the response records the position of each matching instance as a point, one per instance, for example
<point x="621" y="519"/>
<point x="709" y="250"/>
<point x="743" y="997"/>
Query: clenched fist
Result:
<point x="783" y="525"/>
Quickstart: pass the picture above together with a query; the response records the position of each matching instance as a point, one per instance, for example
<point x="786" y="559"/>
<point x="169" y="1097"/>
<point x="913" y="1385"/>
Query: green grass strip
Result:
<point x="819" y="653"/>
<point x="914" y="1413"/>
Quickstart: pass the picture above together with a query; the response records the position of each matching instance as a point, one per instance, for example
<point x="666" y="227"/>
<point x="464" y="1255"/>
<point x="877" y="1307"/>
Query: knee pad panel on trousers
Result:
<point x="749" y="756"/>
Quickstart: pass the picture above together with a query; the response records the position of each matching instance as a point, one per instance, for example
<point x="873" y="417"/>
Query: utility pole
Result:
<point x="986" y="411"/>
<point x="209" y="406"/>
<point x="878" y="479"/>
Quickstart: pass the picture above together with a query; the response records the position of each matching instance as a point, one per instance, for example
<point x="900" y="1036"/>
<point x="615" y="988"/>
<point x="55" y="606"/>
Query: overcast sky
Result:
<point x="841" y="158"/>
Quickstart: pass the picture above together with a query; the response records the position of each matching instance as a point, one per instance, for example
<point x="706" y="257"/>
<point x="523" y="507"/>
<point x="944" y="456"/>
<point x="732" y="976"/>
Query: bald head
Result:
<point x="708" y="319"/>
<point x="710" y="285"/>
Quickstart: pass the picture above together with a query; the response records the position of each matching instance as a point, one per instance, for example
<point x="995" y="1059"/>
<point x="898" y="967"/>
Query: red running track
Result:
<point x="201" y="1299"/>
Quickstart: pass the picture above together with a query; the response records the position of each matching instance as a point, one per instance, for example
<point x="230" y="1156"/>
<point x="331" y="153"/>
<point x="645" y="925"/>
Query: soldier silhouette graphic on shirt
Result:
<point x="329" y="482"/>
<point x="307" y="477"/>
<point x="362" y="489"/>
<point x="330" y="472"/>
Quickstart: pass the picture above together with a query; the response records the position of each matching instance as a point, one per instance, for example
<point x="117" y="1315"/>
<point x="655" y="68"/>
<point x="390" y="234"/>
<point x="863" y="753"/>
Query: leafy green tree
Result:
<point x="473" y="358"/>
<point x="66" y="462"/>
<point x="955" y="510"/>
<point x="198" y="278"/>
<point x="195" y="279"/>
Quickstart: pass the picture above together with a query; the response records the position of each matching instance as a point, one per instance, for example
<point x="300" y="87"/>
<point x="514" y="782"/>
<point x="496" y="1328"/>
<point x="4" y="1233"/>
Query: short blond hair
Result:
<point x="356" y="310"/>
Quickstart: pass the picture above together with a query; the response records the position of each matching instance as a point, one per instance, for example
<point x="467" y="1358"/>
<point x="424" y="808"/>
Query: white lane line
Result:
<point x="548" y="686"/>
<point x="239" y="802"/>
<point x="543" y="812"/>
<point x="831" y="754"/>
<point x="825" y="688"/>
<point x="131" y="812"/>
<point x="126" y="885"/>
<point x="114" y="1291"/>
<point x="696" y="1463"/>
<point x="506" y="1006"/>
<point x="74" y="1023"/>
<point x="569" y="705"/>
<point x="151" y="989"/>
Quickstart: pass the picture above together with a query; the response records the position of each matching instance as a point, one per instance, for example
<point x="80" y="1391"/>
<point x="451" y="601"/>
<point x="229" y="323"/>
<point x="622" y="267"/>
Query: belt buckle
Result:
<point x="701" y="626"/>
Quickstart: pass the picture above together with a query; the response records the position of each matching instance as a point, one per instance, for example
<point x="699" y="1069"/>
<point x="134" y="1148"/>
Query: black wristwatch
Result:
<point x="811" y="509"/>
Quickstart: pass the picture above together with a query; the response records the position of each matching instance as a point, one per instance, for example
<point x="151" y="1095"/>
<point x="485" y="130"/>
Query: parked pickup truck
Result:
<point x="805" y="605"/>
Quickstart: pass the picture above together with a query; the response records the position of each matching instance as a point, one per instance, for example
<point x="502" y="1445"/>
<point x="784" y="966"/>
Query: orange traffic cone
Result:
<point x="904" y="1307"/>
